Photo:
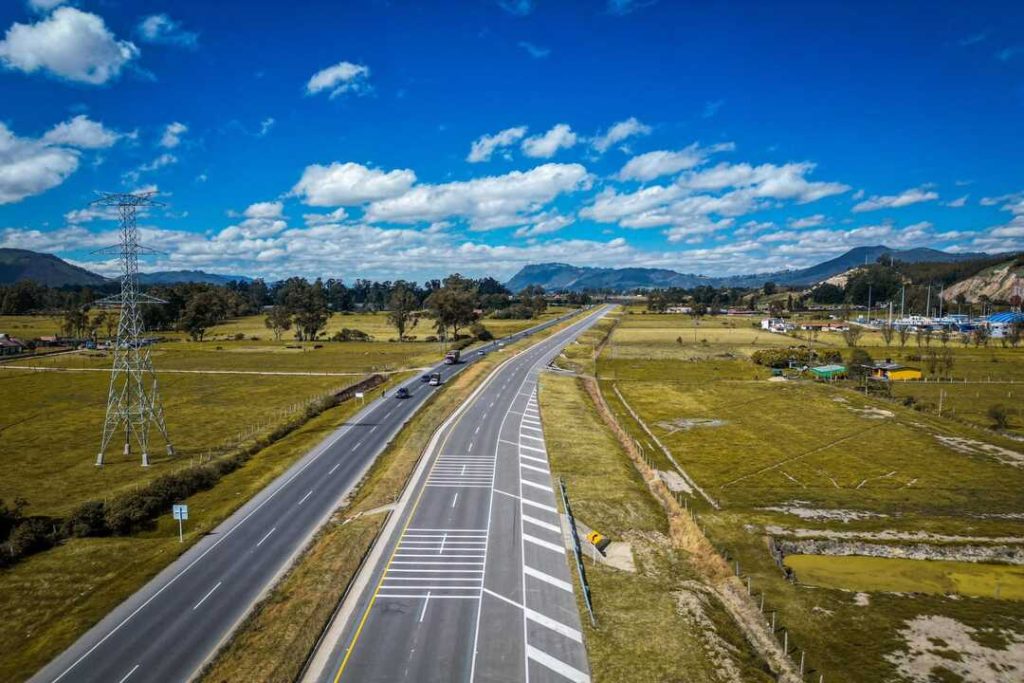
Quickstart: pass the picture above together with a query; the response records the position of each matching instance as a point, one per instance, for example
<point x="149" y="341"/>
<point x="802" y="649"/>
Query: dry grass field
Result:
<point x="834" y="475"/>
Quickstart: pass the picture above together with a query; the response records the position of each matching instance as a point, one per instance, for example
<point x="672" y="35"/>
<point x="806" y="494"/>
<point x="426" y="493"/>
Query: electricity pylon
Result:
<point x="132" y="406"/>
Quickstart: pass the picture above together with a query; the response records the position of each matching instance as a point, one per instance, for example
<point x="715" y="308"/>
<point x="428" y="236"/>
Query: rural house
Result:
<point x="887" y="371"/>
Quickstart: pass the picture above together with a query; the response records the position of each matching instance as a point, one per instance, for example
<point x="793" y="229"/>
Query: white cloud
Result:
<point x="314" y="219"/>
<point x="807" y="221"/>
<point x="484" y="146"/>
<point x="69" y="43"/>
<point x="45" y="5"/>
<point x="82" y="132"/>
<point x="905" y="198"/>
<point x="350" y="184"/>
<point x="766" y="181"/>
<point x="958" y="203"/>
<point x="29" y="167"/>
<point x="265" y="126"/>
<point x="623" y="7"/>
<point x="131" y="177"/>
<point x="172" y="135"/>
<point x="535" y="51"/>
<point x="487" y="203"/>
<point x="653" y="165"/>
<point x="162" y="30"/>
<point x="339" y="79"/>
<point x="545" y="224"/>
<point x="264" y="210"/>
<point x="619" y="132"/>
<point x="545" y="146"/>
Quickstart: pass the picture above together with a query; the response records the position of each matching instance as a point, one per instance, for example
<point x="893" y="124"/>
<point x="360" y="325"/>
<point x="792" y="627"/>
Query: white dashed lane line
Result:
<point x="265" y="537"/>
<point x="203" y="599"/>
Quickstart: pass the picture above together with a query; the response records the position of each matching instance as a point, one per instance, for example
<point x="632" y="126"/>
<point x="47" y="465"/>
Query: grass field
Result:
<point x="872" y="574"/>
<point x="655" y="624"/>
<point x="799" y="458"/>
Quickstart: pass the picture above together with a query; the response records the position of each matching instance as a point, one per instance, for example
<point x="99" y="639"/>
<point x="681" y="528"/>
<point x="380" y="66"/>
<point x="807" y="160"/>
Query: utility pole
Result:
<point x="132" y="406"/>
<point x="928" y="306"/>
<point x="903" y="301"/>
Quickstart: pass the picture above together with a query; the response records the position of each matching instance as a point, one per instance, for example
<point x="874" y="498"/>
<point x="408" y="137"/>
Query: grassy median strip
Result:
<point x="657" y="623"/>
<point x="273" y="643"/>
<point x="50" y="599"/>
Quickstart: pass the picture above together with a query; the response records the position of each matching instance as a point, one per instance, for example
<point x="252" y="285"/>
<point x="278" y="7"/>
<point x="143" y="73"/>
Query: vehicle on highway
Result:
<point x="435" y="379"/>
<point x="452" y="357"/>
<point x="402" y="393"/>
<point x="425" y="378"/>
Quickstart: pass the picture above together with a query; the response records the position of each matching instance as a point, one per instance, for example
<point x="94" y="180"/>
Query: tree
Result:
<point x="827" y="293"/>
<point x="307" y="304"/>
<point x="769" y="288"/>
<point x="453" y="305"/>
<point x="887" y="332"/>
<point x="1015" y="333"/>
<point x="852" y="335"/>
<point x="203" y="311"/>
<point x="858" y="362"/>
<point x="403" y="308"/>
<point x="279" y="320"/>
<point x="904" y="333"/>
<point x="75" y="321"/>
<point x="980" y="336"/>
<point x="947" y="362"/>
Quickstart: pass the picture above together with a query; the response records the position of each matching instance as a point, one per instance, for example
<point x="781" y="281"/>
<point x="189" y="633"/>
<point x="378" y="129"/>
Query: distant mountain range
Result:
<point x="564" y="277"/>
<point x="49" y="270"/>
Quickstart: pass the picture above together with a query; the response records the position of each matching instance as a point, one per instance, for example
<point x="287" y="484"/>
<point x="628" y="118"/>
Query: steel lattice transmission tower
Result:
<point x="133" y="402"/>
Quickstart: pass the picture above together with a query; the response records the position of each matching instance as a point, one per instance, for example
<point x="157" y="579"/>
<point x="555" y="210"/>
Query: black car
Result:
<point x="402" y="393"/>
<point x="425" y="378"/>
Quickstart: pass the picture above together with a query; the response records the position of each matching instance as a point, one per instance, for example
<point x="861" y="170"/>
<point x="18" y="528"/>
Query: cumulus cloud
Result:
<point x="623" y="7"/>
<point x="484" y="146"/>
<point x="807" y="221"/>
<point x="659" y="163"/>
<point x="343" y="77"/>
<point x="336" y="216"/>
<point x="81" y="132"/>
<point x="765" y="181"/>
<point x="350" y="184"/>
<point x="545" y="146"/>
<point x="545" y="224"/>
<point x="905" y="198"/>
<point x="172" y="135"/>
<point x="162" y="30"/>
<point x="619" y="132"/>
<point x="264" y="210"/>
<point x="69" y="44"/>
<point x="487" y="203"/>
<point x="45" y="5"/>
<point x="29" y="167"/>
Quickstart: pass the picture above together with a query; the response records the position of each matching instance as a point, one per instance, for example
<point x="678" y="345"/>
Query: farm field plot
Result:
<point x="26" y="327"/>
<point x="51" y="424"/>
<point x="825" y="469"/>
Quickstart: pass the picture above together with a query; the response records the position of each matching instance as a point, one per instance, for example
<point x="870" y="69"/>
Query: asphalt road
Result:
<point x="176" y="622"/>
<point x="473" y="583"/>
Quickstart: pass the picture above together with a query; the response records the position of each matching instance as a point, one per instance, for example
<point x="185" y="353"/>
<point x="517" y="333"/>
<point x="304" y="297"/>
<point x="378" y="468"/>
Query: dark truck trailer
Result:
<point x="452" y="357"/>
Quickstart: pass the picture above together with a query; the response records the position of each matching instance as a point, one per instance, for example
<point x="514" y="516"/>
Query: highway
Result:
<point x="470" y="581"/>
<point x="172" y="626"/>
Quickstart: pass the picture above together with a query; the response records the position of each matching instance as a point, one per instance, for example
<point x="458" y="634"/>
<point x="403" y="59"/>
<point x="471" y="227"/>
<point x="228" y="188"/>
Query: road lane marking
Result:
<point x="506" y="493"/>
<point x="541" y="523"/>
<point x="206" y="596"/>
<point x="542" y="470"/>
<point x="535" y="485"/>
<point x="127" y="675"/>
<point x="331" y="471"/>
<point x="557" y="626"/>
<point x="535" y="459"/>
<point x="547" y="578"/>
<point x="455" y="498"/>
<point x="308" y="494"/>
<point x="556" y="665"/>
<point x="539" y="506"/>
<point x="544" y="544"/>
<point x="265" y="537"/>
<point x="535" y="450"/>
<point x="425" y="603"/>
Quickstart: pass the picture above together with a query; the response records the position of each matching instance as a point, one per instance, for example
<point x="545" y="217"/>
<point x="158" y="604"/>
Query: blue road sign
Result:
<point x="180" y="512"/>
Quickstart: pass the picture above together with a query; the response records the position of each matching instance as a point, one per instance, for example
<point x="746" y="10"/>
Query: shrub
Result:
<point x="88" y="519"/>
<point x="481" y="332"/>
<point x="31" y="536"/>
<point x="347" y="334"/>
<point x="780" y="358"/>
<point x="1000" y="416"/>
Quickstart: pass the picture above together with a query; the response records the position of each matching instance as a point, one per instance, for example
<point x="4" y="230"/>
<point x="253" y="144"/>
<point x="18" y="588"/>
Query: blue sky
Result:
<point x="412" y="139"/>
